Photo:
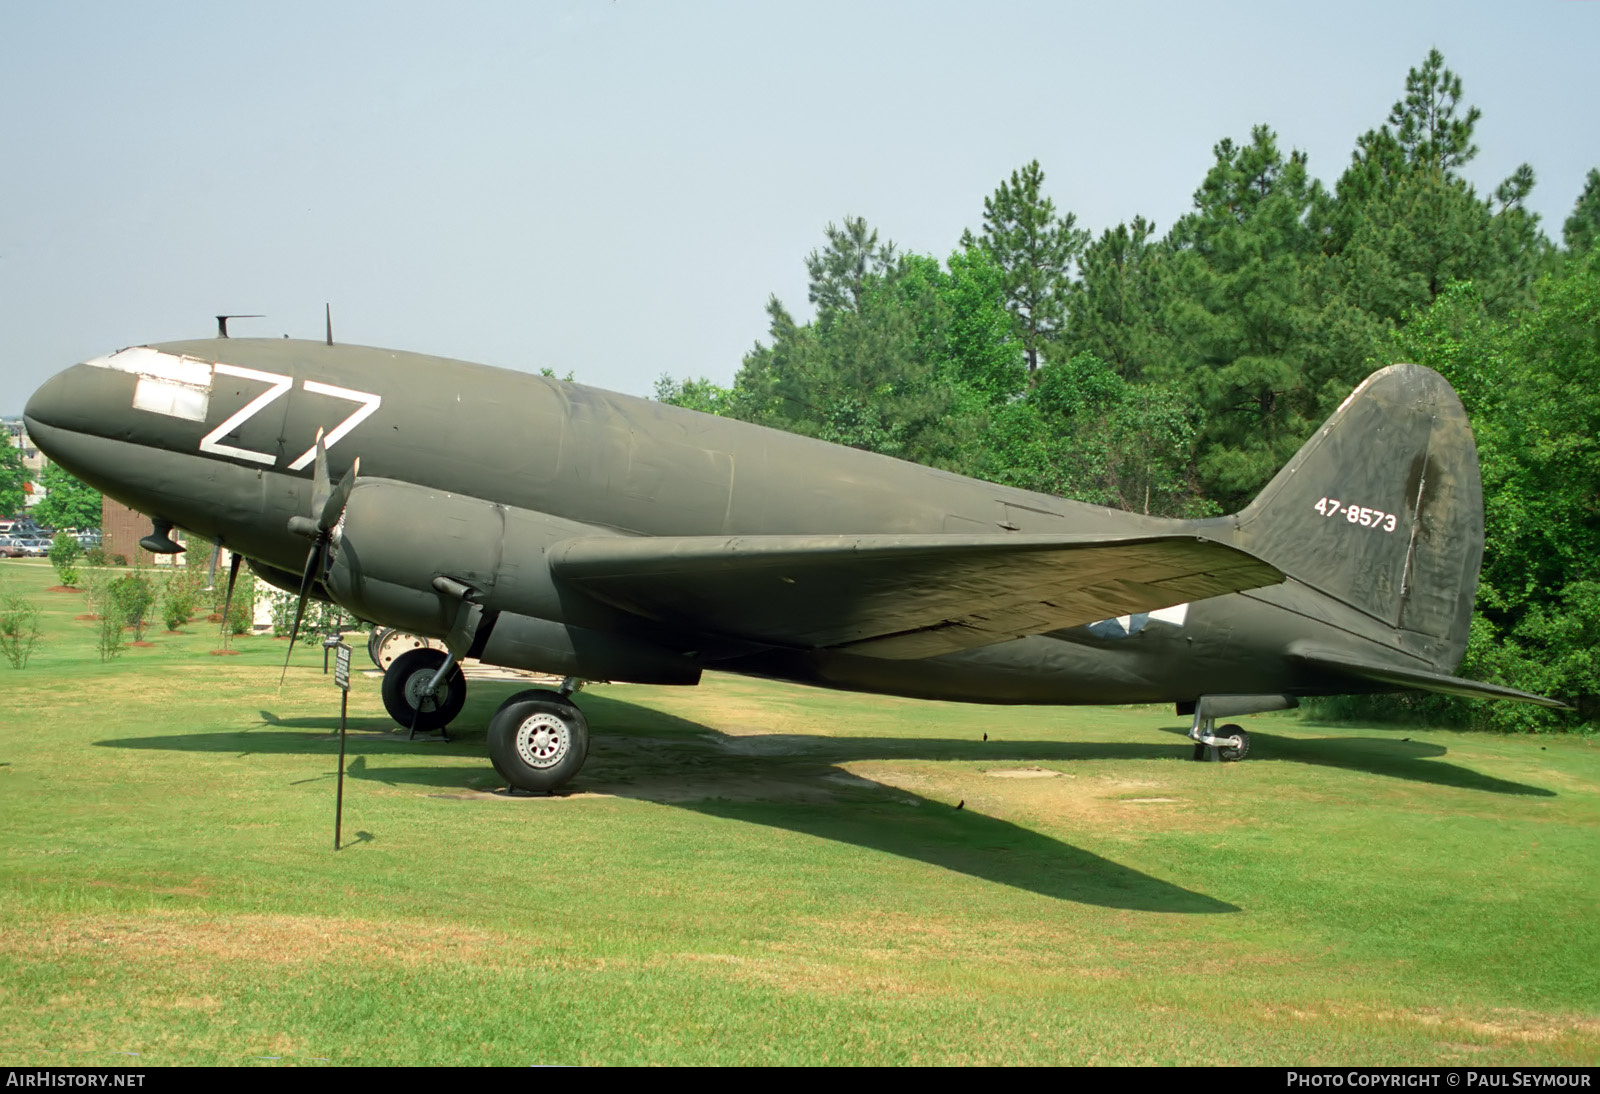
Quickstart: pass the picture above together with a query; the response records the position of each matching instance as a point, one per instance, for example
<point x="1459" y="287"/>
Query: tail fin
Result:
<point x="1383" y="509"/>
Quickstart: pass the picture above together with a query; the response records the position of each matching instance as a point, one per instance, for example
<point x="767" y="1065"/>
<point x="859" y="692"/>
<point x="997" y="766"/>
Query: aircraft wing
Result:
<point x="900" y="596"/>
<point x="1404" y="676"/>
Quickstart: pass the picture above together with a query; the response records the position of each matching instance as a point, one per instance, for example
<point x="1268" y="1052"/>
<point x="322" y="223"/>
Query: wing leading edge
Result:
<point x="900" y="596"/>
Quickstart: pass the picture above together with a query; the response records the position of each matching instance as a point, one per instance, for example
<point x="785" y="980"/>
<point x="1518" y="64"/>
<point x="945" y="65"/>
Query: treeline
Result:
<point x="1174" y="374"/>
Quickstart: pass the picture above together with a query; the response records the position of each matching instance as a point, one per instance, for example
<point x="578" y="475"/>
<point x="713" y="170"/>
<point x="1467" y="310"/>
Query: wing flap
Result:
<point x="1404" y="676"/>
<point x="900" y="596"/>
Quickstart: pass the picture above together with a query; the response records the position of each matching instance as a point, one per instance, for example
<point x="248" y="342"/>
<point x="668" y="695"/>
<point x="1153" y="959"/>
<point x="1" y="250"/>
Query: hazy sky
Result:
<point x="614" y="188"/>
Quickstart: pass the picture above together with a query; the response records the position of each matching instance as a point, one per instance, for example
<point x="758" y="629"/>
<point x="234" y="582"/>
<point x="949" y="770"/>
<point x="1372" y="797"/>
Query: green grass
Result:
<point x="748" y="872"/>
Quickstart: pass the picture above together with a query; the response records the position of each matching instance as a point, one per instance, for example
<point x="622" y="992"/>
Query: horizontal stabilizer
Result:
<point x="1404" y="676"/>
<point x="900" y="596"/>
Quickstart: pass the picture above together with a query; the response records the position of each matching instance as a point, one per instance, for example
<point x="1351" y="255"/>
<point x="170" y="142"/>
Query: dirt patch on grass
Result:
<point x="63" y="589"/>
<point x="271" y="939"/>
<point x="1501" y="1026"/>
<point x="224" y="653"/>
<point x="89" y="618"/>
<point x="1029" y="794"/>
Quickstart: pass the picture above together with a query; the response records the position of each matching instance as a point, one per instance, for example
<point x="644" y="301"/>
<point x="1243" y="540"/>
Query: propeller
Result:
<point x="328" y="504"/>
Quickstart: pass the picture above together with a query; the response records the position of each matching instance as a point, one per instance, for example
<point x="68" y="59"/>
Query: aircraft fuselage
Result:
<point x="221" y="444"/>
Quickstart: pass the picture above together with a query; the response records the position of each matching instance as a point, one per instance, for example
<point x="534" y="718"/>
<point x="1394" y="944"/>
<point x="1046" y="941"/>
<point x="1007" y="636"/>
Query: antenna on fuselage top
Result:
<point x="222" y="322"/>
<point x="327" y="310"/>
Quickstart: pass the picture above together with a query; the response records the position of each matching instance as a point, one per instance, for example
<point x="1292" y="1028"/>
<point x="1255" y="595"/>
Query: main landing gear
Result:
<point x="424" y="690"/>
<point x="1230" y="743"/>
<point x="538" y="739"/>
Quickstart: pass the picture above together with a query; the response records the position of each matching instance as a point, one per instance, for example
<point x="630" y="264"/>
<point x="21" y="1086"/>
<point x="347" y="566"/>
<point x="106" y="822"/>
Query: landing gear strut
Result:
<point x="1230" y="743"/>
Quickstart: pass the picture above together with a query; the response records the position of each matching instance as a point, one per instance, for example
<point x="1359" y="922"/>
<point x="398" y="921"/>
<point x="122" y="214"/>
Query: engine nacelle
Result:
<point x="395" y="538"/>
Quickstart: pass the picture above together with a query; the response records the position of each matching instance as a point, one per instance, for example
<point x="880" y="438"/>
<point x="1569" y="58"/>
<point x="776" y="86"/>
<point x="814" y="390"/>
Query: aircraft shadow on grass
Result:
<point x="795" y="782"/>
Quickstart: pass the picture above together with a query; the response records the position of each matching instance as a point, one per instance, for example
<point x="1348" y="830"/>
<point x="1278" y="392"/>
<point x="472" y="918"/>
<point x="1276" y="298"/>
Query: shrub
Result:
<point x="282" y="610"/>
<point x="134" y="595"/>
<point x="241" y="615"/>
<point x="110" y="641"/>
<point x="180" y="596"/>
<point x="19" y="629"/>
<point x="65" y="550"/>
<point x="96" y="556"/>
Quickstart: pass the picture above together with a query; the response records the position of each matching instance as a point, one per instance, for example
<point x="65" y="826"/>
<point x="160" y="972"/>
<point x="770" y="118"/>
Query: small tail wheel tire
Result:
<point x="405" y="694"/>
<point x="375" y="643"/>
<point x="540" y="743"/>
<point x="1234" y="753"/>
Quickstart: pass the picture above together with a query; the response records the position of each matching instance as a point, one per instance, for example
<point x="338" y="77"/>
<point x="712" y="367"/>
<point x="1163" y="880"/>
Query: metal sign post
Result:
<point x="341" y="677"/>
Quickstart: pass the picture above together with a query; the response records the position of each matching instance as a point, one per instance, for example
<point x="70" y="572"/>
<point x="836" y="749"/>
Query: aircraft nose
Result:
<point x="52" y="405"/>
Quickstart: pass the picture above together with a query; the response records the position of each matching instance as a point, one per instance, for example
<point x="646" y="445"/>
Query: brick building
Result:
<point x="121" y="529"/>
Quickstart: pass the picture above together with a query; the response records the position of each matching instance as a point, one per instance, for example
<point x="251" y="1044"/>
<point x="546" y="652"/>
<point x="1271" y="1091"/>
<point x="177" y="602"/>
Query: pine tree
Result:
<point x="1116" y="307"/>
<point x="1582" y="228"/>
<point x="1036" y="250"/>
<point x="1427" y="127"/>
<point x="1242" y="312"/>
<point x="841" y="270"/>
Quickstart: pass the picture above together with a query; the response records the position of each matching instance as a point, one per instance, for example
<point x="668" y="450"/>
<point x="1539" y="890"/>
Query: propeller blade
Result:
<point x="233" y="575"/>
<point x="313" y="564"/>
<point x="338" y="497"/>
<point x="319" y="476"/>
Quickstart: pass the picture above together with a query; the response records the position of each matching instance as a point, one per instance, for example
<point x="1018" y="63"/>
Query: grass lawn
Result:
<point x="749" y="872"/>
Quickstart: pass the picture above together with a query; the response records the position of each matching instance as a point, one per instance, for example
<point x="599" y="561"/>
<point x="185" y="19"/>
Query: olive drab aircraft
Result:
<point x="537" y="524"/>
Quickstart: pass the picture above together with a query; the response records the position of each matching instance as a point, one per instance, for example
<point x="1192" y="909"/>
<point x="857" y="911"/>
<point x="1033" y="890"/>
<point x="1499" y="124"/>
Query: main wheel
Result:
<point x="538" y="743"/>
<point x="411" y="706"/>
<point x="1228" y="753"/>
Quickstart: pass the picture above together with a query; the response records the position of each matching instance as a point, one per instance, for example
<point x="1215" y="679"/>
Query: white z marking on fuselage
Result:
<point x="369" y="404"/>
<point x="211" y="442"/>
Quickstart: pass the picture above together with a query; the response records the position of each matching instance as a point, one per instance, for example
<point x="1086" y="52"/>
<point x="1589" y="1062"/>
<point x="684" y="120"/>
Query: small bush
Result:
<point x="96" y="556"/>
<point x="65" y="551"/>
<point x="282" y="610"/>
<point x="109" y="639"/>
<point x="19" y="629"/>
<point x="180" y="597"/>
<point x="134" y="595"/>
<point x="242" y="614"/>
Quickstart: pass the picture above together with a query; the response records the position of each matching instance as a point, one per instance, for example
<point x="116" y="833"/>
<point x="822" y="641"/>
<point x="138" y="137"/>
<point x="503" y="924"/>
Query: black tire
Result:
<point x="538" y="744"/>
<point x="405" y="679"/>
<point x="533" y="693"/>
<point x="1229" y="754"/>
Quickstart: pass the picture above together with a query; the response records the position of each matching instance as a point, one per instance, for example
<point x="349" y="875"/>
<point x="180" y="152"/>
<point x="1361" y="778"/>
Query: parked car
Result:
<point x="9" y="548"/>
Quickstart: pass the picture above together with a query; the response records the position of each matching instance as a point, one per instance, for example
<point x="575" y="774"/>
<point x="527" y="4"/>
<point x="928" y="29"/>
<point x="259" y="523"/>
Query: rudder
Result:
<point x="1383" y="509"/>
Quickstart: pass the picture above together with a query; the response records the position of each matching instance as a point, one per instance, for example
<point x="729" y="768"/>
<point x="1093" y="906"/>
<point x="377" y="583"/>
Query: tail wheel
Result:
<point x="538" y="743"/>
<point x="1234" y="753"/>
<point x="405" y="694"/>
